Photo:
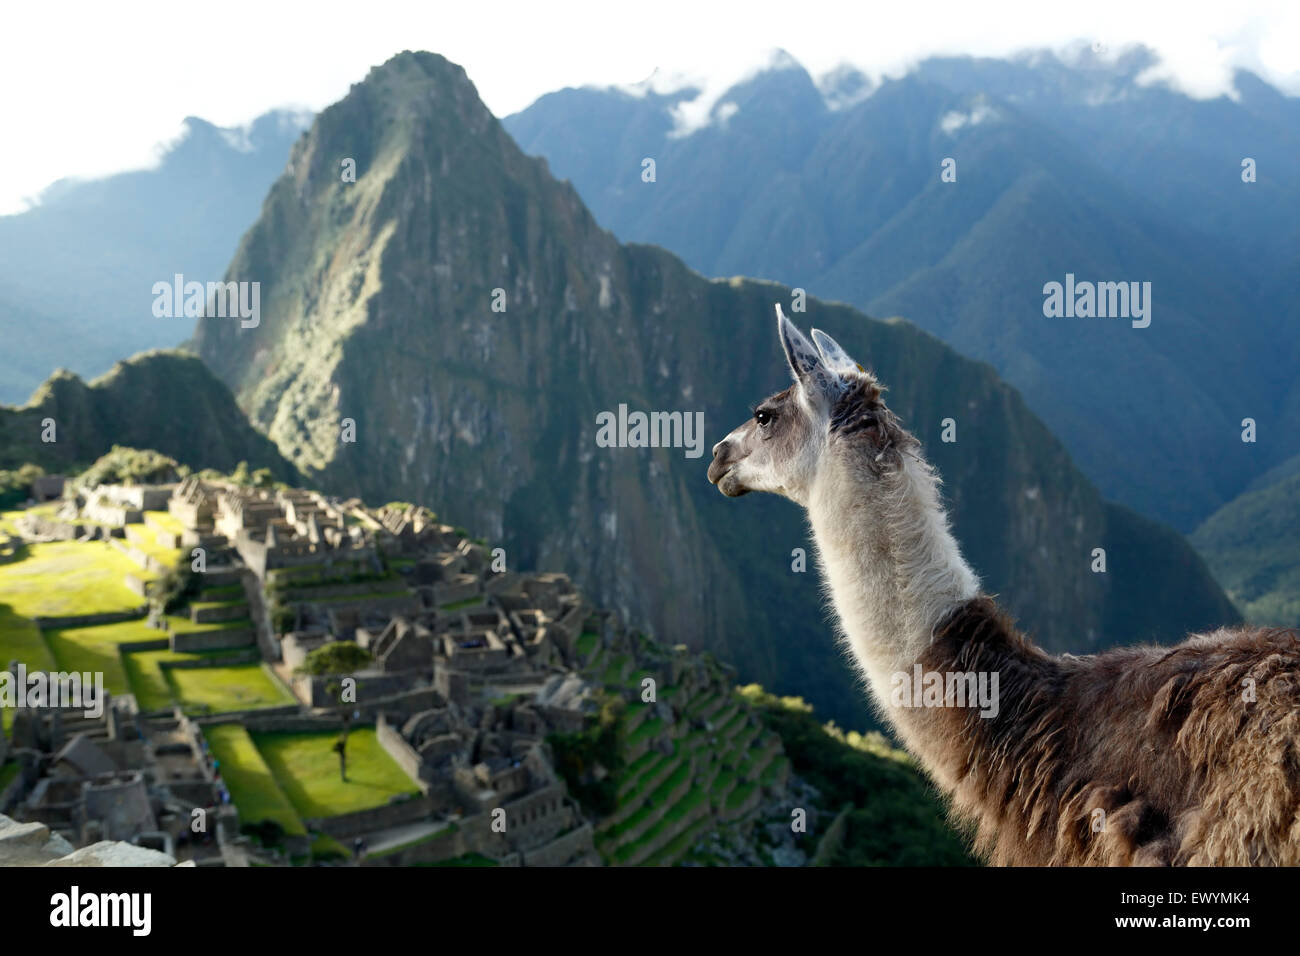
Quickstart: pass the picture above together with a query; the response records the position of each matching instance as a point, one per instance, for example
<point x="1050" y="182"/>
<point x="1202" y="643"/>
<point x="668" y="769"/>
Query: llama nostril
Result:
<point x="718" y="446"/>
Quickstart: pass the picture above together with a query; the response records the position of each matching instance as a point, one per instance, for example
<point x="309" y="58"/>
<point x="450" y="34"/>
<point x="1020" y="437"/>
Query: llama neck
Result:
<point x="891" y="563"/>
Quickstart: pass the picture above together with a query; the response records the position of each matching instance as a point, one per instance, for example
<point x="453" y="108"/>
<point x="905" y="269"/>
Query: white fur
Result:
<point x="888" y="557"/>
<point x="890" y="562"/>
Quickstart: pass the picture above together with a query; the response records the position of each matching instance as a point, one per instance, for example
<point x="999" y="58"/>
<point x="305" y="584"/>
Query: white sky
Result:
<point x="92" y="88"/>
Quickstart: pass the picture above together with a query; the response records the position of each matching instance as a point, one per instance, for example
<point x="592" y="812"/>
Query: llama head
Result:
<point x="834" y="407"/>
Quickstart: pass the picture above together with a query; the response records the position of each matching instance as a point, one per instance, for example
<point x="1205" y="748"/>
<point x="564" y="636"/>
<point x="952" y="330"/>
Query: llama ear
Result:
<point x="799" y="352"/>
<point x="834" y="357"/>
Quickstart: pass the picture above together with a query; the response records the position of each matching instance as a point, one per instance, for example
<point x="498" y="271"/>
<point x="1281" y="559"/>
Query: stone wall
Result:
<point x="137" y="585"/>
<point x="252" y="719"/>
<point x="398" y="708"/>
<point x="295" y="723"/>
<point x="146" y="561"/>
<point x="130" y="647"/>
<point x="250" y="656"/>
<point x="394" y="814"/>
<point x="308" y="594"/>
<point x="218" y="613"/>
<point x="212" y="640"/>
<point x="461" y="588"/>
<point x="316" y="692"/>
<point x="89" y="620"/>
<point x="444" y="845"/>
<point x="564" y="848"/>
<point x="221" y="576"/>
<point x="403" y="753"/>
<point x="402" y="602"/>
<point x="139" y="497"/>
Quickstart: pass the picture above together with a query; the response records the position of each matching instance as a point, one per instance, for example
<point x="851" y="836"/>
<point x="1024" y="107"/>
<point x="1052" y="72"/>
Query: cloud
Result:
<point x="97" y="99"/>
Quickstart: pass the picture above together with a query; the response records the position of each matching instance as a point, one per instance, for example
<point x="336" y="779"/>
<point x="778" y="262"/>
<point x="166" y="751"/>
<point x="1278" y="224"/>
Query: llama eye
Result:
<point x="763" y="417"/>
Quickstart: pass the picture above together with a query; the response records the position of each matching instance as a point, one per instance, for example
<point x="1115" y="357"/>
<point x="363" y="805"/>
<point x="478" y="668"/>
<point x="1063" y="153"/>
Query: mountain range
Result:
<point x="1059" y="166"/>
<point x="163" y="400"/>
<point x="449" y="327"/>
<point x="75" y="291"/>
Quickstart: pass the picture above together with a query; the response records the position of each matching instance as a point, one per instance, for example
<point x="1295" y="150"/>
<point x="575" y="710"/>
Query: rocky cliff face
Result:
<point x="377" y="313"/>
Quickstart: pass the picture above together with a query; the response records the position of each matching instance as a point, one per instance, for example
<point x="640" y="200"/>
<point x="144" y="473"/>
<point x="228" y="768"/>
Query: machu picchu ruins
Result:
<point x="270" y="641"/>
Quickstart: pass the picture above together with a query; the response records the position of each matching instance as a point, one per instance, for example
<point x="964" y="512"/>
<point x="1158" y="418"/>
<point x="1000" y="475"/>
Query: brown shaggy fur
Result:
<point x="1167" y="742"/>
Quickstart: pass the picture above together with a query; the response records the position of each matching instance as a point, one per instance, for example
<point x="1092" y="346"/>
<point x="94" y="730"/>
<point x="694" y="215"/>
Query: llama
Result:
<point x="1186" y="755"/>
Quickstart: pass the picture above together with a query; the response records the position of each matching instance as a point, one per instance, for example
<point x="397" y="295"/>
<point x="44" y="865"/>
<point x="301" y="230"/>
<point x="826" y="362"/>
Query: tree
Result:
<point x="336" y="657"/>
<point x="123" y="464"/>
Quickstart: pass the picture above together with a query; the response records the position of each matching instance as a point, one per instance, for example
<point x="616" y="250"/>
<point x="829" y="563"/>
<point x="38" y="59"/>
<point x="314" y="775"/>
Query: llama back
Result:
<point x="1140" y="756"/>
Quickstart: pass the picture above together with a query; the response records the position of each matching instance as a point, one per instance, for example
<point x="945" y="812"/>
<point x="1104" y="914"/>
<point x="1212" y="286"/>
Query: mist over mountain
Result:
<point x="79" y="266"/>
<point x="378" y="325"/>
<point x="1075" y="168"/>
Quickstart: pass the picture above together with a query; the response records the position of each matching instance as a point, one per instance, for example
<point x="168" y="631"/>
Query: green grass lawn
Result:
<point x="214" y="690"/>
<point x="224" y="593"/>
<point x="62" y="578"/>
<point x="20" y="640"/>
<point x="96" y="649"/>
<point x="307" y="768"/>
<point x="155" y="691"/>
<point x="184" y="625"/>
<point x="166" y="521"/>
<point x="148" y="542"/>
<point x="232" y="601"/>
<point x="251" y="783"/>
<point x="7" y="521"/>
<point x="146" y="679"/>
<point x="57" y="579"/>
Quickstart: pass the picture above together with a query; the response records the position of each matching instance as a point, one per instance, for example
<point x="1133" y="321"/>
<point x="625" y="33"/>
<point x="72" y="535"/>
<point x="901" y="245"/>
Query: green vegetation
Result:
<point x="96" y="649"/>
<point x="336" y="657"/>
<point x="16" y="486"/>
<point x="7" y="519"/>
<point x="252" y="785"/>
<point x="206" y="690"/>
<point x="185" y="625"/>
<point x="8" y="771"/>
<point x="1252" y="545"/>
<point x="898" y="818"/>
<point x="134" y="465"/>
<point x="59" y="579"/>
<point x="63" y="578"/>
<point x="166" y="402"/>
<point x="324" y="849"/>
<point x="146" y="539"/>
<point x="460" y="605"/>
<point x="20" y="640"/>
<point x="166" y="521"/>
<point x="261" y="478"/>
<point x="307" y="768"/>
<point x="578" y="755"/>
<point x="209" y="605"/>
<point x="225" y="593"/>
<point x="215" y="690"/>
